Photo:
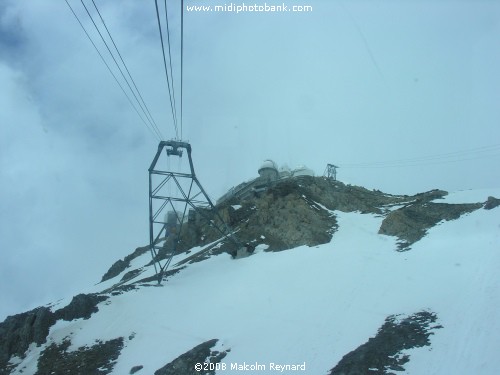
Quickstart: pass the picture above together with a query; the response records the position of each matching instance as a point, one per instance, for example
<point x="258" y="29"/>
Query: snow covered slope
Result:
<point x="305" y="308"/>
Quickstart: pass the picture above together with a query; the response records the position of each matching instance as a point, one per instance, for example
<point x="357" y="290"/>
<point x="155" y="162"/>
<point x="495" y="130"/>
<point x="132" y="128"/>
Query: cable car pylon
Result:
<point x="177" y="201"/>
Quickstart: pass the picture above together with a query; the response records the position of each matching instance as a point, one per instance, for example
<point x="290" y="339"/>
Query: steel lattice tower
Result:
<point x="331" y="172"/>
<point x="174" y="199"/>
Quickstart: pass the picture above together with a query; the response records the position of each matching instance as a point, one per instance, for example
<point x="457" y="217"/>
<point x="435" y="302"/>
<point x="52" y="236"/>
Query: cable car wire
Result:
<point x="150" y="128"/>
<point x="182" y="56"/>
<point x="170" y="62"/>
<point x="166" y="71"/>
<point x="117" y="65"/>
<point x="449" y="157"/>
<point x="365" y="41"/>
<point x="128" y="72"/>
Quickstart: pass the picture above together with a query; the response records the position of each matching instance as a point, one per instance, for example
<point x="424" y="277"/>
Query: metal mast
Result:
<point x="176" y="199"/>
<point x="331" y="172"/>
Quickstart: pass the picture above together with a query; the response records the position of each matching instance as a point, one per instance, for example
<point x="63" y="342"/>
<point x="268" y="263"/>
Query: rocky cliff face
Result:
<point x="410" y="222"/>
<point x="17" y="332"/>
<point x="301" y="211"/>
<point x="381" y="354"/>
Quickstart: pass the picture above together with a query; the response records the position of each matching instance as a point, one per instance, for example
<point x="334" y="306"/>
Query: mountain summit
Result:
<point x="335" y="279"/>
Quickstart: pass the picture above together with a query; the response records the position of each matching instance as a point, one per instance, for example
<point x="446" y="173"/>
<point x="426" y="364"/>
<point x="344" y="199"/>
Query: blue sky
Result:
<point x="408" y="91"/>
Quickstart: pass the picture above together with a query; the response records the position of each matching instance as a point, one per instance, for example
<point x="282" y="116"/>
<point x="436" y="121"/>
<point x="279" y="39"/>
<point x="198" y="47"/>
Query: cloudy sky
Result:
<point x="403" y="96"/>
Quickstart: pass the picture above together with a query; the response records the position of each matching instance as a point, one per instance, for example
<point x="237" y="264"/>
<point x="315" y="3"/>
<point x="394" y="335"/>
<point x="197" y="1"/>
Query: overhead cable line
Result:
<point x="450" y="157"/>
<point x="170" y="62"/>
<point x="152" y="130"/>
<point x="128" y="72"/>
<point x="119" y="68"/>
<point x="166" y="72"/>
<point x="365" y="41"/>
<point x="182" y="55"/>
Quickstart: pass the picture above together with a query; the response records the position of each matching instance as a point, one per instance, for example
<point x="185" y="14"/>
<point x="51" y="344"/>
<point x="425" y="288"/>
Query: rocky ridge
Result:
<point x="290" y="214"/>
<point x="383" y="353"/>
<point x="17" y="332"/>
<point x="301" y="211"/>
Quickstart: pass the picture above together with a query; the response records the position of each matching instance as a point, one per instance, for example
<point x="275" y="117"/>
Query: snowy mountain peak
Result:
<point x="370" y="283"/>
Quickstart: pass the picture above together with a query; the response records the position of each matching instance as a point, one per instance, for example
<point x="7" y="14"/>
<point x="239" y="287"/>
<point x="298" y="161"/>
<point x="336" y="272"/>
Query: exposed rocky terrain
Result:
<point x="382" y="354"/>
<point x="17" y="332"/>
<point x="410" y="222"/>
<point x="200" y="354"/>
<point x="122" y="264"/>
<point x="97" y="359"/>
<point x="301" y="211"/>
<point x="294" y="212"/>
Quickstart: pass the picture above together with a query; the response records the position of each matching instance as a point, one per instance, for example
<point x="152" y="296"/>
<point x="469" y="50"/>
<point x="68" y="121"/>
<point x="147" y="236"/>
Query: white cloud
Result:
<point x="297" y="88"/>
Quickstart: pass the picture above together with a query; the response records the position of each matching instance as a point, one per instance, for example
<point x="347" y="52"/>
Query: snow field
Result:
<point x="315" y="304"/>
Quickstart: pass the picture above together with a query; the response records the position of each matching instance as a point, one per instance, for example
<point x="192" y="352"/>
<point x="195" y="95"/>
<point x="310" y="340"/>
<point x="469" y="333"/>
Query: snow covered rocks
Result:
<point x="327" y="286"/>
<point x="387" y="350"/>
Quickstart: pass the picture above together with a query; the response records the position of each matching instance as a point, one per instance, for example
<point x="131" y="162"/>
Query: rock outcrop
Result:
<point x="283" y="218"/>
<point x="301" y="211"/>
<point x="383" y="353"/>
<point x="491" y="203"/>
<point x="410" y="223"/>
<point x="200" y="354"/>
<point x="98" y="359"/>
<point x="291" y="213"/>
<point x="17" y="332"/>
<point x="81" y="306"/>
<point x="122" y="264"/>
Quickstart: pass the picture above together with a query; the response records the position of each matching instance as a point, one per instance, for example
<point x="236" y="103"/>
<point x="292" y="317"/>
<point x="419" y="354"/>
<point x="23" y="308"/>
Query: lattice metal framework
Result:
<point x="175" y="198"/>
<point x="331" y="172"/>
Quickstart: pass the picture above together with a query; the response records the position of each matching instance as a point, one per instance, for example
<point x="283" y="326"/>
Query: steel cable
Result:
<point x="152" y="130"/>
<point x="151" y="119"/>
<point x="117" y="65"/>
<point x="166" y="71"/>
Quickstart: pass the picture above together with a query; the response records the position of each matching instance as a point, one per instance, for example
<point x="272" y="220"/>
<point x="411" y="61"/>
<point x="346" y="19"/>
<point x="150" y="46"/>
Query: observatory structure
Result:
<point x="269" y="175"/>
<point x="268" y="172"/>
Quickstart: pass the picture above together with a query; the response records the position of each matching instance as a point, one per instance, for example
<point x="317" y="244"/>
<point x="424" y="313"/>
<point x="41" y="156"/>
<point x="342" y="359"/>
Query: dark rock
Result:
<point x="81" y="306"/>
<point x="120" y="265"/>
<point x="290" y="213"/>
<point x="131" y="274"/>
<point x="282" y="218"/>
<point x="335" y="195"/>
<point x="295" y="212"/>
<point x="134" y="369"/>
<point x="410" y="223"/>
<point x="17" y="332"/>
<point x="97" y="359"/>
<point x="185" y="363"/>
<point x="491" y="203"/>
<point x="384" y="350"/>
